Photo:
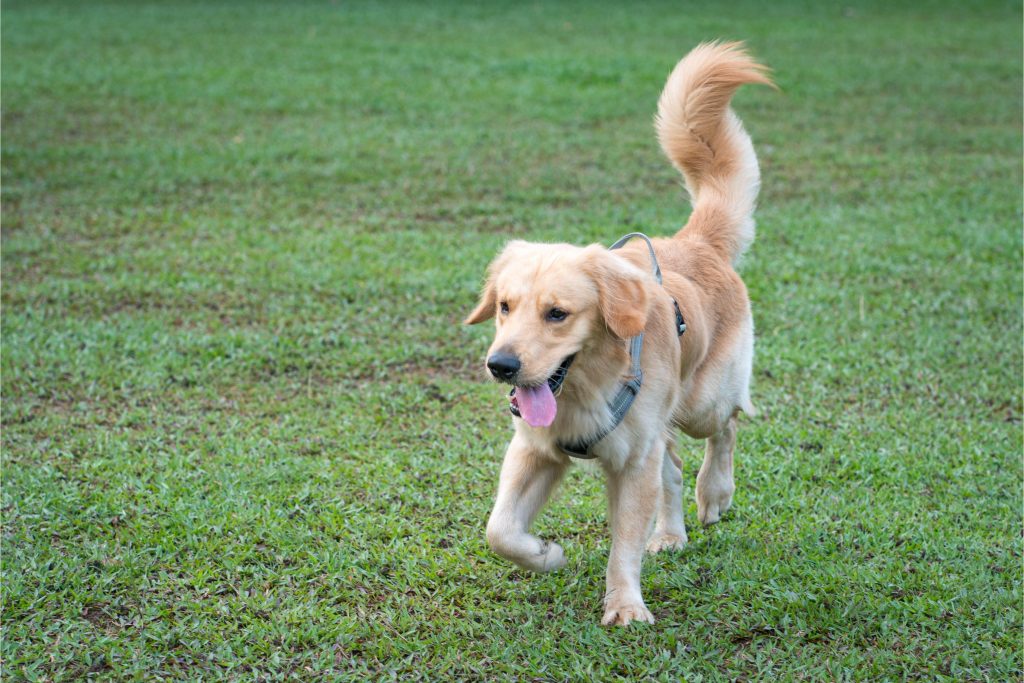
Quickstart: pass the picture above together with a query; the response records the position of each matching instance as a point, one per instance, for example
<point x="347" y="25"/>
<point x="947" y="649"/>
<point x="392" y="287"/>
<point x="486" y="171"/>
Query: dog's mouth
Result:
<point x="536" y="404"/>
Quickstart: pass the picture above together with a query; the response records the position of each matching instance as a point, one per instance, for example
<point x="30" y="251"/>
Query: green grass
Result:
<point x="246" y="437"/>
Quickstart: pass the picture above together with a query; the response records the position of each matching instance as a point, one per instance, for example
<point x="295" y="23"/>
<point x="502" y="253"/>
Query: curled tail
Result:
<point x="705" y="140"/>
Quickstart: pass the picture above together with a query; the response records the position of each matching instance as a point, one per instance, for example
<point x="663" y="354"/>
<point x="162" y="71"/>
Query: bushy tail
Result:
<point x="704" y="139"/>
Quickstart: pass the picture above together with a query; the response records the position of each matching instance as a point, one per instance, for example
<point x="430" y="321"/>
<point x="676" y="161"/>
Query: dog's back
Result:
<point x="705" y="140"/>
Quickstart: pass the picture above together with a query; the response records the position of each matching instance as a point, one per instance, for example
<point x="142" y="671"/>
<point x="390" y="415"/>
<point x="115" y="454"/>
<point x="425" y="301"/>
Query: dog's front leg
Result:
<point x="527" y="479"/>
<point x="632" y="502"/>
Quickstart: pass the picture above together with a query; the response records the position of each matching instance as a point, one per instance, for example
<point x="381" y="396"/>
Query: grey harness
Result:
<point x="624" y="397"/>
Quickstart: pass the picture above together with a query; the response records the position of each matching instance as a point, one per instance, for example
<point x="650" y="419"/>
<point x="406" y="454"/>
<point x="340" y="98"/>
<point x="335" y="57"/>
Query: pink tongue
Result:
<point x="537" y="405"/>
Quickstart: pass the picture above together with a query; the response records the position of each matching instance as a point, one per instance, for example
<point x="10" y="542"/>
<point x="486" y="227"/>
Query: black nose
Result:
<point x="503" y="365"/>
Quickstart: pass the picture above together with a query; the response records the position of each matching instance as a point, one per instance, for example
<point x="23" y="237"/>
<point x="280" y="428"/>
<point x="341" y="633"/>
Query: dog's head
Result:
<point x="552" y="301"/>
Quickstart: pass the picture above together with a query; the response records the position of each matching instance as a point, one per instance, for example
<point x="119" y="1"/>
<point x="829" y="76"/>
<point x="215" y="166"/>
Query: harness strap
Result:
<point x="623" y="399"/>
<point x="619" y="243"/>
<point x="618" y="406"/>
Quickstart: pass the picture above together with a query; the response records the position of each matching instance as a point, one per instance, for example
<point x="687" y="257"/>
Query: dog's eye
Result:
<point x="557" y="315"/>
<point x="504" y="307"/>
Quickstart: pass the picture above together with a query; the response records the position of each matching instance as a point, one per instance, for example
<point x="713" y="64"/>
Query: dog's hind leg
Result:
<point x="527" y="480"/>
<point x="669" y="530"/>
<point x="714" y="481"/>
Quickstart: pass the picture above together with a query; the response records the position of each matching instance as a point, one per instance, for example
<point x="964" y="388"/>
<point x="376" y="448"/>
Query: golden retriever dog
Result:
<point x="573" y="324"/>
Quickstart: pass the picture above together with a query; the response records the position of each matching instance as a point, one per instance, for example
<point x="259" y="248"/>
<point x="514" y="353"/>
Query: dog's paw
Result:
<point x="624" y="615"/>
<point x="666" y="541"/>
<point x="713" y="502"/>
<point x="552" y="559"/>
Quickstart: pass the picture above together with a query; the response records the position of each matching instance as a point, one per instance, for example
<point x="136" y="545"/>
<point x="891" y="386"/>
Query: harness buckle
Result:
<point x="680" y="323"/>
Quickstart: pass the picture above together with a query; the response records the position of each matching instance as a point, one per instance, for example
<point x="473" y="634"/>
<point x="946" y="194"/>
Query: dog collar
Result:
<point x="624" y="397"/>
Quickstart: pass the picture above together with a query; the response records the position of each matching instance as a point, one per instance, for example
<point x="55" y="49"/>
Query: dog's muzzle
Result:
<point x="554" y="383"/>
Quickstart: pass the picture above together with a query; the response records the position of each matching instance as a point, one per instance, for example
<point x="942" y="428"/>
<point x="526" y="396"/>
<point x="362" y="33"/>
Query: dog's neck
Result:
<point x="597" y="373"/>
<point x="595" y="377"/>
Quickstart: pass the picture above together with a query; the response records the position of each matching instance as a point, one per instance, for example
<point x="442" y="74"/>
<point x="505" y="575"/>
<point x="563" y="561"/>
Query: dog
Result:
<point x="568" y="319"/>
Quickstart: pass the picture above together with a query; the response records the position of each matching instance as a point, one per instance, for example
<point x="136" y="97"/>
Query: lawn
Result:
<point x="246" y="437"/>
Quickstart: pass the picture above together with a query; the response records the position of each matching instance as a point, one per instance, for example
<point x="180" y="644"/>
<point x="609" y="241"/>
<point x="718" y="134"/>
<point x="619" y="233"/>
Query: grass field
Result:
<point x="246" y="437"/>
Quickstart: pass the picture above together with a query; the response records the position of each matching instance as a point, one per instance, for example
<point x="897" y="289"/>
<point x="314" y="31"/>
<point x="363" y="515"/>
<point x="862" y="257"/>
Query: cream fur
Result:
<point x="697" y="383"/>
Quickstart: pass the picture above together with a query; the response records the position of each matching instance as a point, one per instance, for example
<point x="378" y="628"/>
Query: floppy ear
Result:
<point x="624" y="294"/>
<point x="488" y="297"/>
<point x="485" y="309"/>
